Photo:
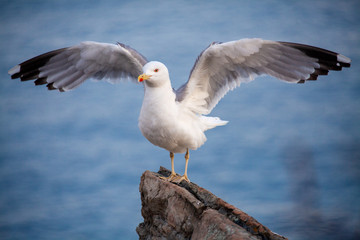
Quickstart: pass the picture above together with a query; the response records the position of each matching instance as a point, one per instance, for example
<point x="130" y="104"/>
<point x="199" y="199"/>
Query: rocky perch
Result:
<point x="187" y="211"/>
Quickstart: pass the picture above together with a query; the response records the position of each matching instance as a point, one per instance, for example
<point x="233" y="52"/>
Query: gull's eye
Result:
<point x="156" y="70"/>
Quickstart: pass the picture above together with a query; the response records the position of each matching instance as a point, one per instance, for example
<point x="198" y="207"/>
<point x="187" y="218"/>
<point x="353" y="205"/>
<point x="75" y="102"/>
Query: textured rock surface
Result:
<point x="187" y="211"/>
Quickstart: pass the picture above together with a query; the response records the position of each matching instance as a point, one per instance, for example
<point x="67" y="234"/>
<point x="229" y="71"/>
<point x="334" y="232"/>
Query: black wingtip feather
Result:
<point x="319" y="71"/>
<point x="29" y="70"/>
<point x="31" y="75"/>
<point x="38" y="61"/>
<point x="313" y="77"/>
<point x="315" y="52"/>
<point x="50" y="86"/>
<point x="40" y="81"/>
<point x="16" y="75"/>
<point x="327" y="60"/>
<point x="346" y="65"/>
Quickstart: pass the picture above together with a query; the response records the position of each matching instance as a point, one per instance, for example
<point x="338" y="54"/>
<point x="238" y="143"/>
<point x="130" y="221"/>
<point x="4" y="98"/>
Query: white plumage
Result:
<point x="166" y="122"/>
<point x="174" y="120"/>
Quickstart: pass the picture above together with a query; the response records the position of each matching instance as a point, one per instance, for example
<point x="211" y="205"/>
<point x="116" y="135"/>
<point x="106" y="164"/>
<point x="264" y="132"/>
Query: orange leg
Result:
<point x="173" y="173"/>
<point x="183" y="177"/>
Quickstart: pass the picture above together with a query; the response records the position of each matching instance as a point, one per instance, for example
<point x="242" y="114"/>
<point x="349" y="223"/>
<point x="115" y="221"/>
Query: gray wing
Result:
<point x="67" y="68"/>
<point x="223" y="66"/>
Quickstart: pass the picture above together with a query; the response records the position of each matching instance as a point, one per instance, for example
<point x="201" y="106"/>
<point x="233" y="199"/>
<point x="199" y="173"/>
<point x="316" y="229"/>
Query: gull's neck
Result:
<point x="159" y="103"/>
<point x="161" y="94"/>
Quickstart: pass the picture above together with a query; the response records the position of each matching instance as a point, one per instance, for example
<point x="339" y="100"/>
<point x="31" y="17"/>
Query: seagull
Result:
<point x="176" y="120"/>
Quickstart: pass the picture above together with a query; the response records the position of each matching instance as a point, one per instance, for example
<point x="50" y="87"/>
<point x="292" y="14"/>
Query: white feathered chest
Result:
<point x="164" y="124"/>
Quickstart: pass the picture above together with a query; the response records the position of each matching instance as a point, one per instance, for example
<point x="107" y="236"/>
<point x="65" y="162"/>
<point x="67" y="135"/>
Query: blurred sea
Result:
<point x="70" y="163"/>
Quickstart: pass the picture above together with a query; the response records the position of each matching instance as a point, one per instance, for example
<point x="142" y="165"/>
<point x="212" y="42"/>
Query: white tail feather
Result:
<point x="211" y="122"/>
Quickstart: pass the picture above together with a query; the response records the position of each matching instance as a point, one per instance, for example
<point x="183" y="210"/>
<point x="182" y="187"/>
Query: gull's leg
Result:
<point x="186" y="165"/>
<point x="173" y="173"/>
<point x="184" y="177"/>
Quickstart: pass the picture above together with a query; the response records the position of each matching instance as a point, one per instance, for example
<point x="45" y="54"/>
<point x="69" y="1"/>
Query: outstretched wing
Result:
<point x="223" y="66"/>
<point x="67" y="68"/>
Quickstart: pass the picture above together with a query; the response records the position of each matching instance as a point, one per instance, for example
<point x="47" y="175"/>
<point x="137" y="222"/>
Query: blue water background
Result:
<point x="70" y="163"/>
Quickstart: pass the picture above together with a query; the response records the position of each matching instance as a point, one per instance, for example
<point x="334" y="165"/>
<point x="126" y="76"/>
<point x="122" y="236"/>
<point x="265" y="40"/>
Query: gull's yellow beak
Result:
<point x="143" y="77"/>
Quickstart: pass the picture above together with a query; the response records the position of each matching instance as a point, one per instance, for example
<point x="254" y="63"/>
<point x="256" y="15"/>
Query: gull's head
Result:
<point x="154" y="74"/>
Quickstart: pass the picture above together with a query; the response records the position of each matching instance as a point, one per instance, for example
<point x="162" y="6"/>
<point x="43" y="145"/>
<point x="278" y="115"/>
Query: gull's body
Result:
<point x="166" y="122"/>
<point x="174" y="120"/>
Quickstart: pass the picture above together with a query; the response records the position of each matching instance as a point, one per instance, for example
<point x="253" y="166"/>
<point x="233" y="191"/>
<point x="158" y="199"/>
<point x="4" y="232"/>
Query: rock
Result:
<point x="187" y="211"/>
